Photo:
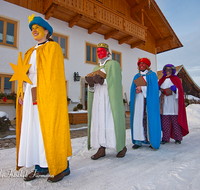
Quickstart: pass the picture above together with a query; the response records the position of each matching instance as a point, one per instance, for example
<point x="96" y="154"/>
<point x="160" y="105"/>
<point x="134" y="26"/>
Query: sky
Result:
<point x="184" y="18"/>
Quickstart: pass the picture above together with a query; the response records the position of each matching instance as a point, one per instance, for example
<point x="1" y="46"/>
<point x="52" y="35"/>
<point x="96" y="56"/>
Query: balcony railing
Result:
<point x="102" y="14"/>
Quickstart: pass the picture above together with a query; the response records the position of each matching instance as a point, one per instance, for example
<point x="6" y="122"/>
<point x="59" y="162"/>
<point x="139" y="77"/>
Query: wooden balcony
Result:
<point x="97" y="18"/>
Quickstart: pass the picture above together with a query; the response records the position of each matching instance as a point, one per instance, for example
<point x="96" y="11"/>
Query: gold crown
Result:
<point x="103" y="45"/>
<point x="30" y="18"/>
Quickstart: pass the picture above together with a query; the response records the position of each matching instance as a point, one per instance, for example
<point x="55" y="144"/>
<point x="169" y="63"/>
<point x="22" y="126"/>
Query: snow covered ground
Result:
<point x="171" y="167"/>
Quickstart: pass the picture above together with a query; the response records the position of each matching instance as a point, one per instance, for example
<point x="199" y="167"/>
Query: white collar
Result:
<point x="144" y="72"/>
<point x="103" y="61"/>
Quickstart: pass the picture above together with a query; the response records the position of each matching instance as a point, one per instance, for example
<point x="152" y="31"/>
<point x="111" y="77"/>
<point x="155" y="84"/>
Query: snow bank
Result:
<point x="193" y="115"/>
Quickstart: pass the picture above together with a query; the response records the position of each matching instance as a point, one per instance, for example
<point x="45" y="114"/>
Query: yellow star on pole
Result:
<point x="20" y="73"/>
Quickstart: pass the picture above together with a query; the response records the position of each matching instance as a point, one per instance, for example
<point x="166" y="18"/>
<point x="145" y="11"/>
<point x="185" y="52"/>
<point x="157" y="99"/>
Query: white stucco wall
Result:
<point x="77" y="39"/>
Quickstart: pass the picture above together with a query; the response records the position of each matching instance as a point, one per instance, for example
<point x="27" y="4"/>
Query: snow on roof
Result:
<point x="190" y="97"/>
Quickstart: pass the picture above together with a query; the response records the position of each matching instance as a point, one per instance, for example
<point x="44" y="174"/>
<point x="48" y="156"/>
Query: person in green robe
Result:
<point x="106" y="117"/>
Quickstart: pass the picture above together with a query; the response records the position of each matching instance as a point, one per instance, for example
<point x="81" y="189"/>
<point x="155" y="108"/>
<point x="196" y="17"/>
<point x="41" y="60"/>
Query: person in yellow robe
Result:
<point x="42" y="124"/>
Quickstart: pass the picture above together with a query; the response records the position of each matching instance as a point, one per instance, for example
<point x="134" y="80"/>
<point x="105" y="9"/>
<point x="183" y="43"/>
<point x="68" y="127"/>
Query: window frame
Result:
<point x="3" y="76"/>
<point x="91" y="45"/>
<point x="120" y="57"/>
<point x="5" y="21"/>
<point x="66" y="43"/>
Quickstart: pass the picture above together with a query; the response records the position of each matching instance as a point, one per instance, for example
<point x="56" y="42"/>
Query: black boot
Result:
<point x="163" y="142"/>
<point x="122" y="153"/>
<point x="177" y="142"/>
<point x="100" y="153"/>
<point x="135" y="146"/>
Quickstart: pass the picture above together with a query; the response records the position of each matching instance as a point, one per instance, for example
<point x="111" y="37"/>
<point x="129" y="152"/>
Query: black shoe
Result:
<point x="177" y="142"/>
<point x="135" y="146"/>
<point x="163" y="142"/>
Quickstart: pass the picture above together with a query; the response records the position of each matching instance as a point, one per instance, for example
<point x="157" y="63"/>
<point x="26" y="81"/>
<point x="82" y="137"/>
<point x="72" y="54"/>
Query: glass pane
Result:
<point x="62" y="44"/>
<point x="113" y="56"/>
<point x="94" y="53"/>
<point x="117" y="57"/>
<point x="1" y="31"/>
<point x="7" y="85"/>
<point x="55" y="38"/>
<point x="88" y="53"/>
<point x="10" y="33"/>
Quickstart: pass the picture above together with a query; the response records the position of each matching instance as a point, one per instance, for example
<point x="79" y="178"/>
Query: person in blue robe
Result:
<point x="144" y="107"/>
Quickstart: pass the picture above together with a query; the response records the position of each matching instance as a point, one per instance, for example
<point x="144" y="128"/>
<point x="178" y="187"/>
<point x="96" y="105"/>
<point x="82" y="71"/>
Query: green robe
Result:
<point x="114" y="84"/>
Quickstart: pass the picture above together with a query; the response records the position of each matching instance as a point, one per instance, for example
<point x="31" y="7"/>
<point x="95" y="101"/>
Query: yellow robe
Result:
<point x="52" y="106"/>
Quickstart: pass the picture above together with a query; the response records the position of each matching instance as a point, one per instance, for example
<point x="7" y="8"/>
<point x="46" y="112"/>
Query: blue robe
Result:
<point x="153" y="109"/>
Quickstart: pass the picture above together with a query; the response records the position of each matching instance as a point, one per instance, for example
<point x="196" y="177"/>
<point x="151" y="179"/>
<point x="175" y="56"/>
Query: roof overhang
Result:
<point x="142" y="18"/>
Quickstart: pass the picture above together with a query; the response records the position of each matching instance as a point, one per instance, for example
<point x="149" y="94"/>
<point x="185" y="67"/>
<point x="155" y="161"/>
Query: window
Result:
<point x="63" y="42"/>
<point x="5" y="85"/>
<point x="8" y="32"/>
<point x="91" y="53"/>
<point x="117" y="57"/>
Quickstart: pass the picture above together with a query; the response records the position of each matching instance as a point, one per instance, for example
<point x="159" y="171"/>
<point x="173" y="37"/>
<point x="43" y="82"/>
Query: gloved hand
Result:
<point x="173" y="88"/>
<point x="98" y="79"/>
<point x="90" y="81"/>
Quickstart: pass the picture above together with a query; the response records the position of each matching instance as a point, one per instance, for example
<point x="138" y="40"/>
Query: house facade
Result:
<point x="132" y="28"/>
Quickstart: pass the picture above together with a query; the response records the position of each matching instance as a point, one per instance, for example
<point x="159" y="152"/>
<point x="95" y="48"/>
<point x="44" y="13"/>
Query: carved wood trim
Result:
<point x="105" y="15"/>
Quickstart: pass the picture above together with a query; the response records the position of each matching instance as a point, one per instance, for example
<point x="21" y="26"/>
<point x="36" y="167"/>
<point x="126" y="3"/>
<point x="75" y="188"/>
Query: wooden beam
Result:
<point x="156" y="28"/>
<point x="161" y="49"/>
<point x="50" y="11"/>
<point x="136" y="44"/>
<point x="123" y="40"/>
<point x="142" y="12"/>
<point x="94" y="28"/>
<point x="139" y="7"/>
<point x="168" y="44"/>
<point x="110" y="34"/>
<point x="75" y="20"/>
<point x="137" y="1"/>
<point x="163" y="41"/>
<point x="138" y="19"/>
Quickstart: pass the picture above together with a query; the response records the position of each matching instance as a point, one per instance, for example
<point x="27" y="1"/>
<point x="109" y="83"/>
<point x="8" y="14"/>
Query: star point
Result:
<point x="20" y="73"/>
